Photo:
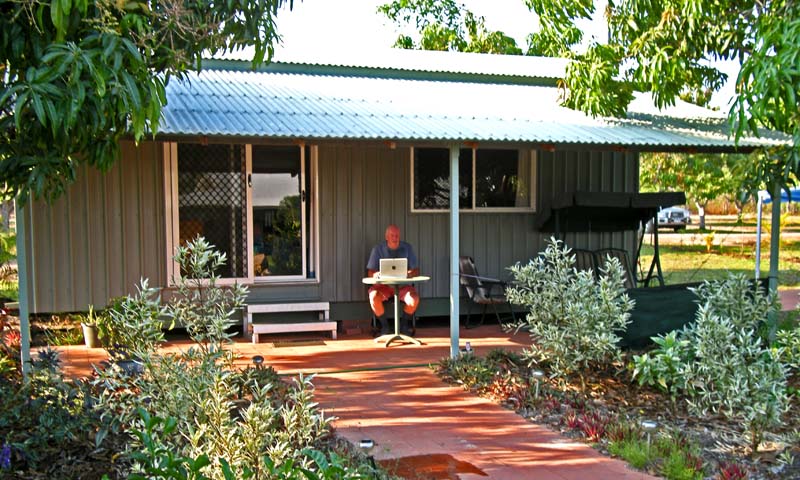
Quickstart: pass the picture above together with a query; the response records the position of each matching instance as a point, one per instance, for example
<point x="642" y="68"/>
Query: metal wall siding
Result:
<point x="99" y="238"/>
<point x="108" y="231"/>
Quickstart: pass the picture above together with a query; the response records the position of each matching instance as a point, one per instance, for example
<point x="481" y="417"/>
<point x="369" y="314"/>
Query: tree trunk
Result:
<point x="6" y="208"/>
<point x="701" y="213"/>
<point x="739" y="210"/>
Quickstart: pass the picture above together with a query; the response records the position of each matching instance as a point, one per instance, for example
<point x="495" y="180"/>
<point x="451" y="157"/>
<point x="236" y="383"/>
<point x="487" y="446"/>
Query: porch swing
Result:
<point x="659" y="308"/>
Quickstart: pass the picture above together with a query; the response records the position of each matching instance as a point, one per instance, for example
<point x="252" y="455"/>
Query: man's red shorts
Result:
<point x="387" y="292"/>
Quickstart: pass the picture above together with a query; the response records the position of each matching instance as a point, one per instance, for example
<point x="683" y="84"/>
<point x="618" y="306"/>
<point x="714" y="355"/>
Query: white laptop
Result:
<point x="394" y="268"/>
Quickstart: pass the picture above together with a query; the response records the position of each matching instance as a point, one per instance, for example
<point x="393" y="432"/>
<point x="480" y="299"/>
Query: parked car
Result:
<point x="675" y="218"/>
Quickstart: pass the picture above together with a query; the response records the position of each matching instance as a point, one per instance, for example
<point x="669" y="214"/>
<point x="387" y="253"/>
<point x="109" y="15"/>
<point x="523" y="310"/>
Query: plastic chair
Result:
<point x="482" y="291"/>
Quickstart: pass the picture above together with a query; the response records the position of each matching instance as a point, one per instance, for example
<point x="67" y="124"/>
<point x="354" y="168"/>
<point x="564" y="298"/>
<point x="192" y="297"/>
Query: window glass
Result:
<point x="432" y="178"/>
<point x="502" y="179"/>
<point x="277" y="211"/>
<point x="212" y="199"/>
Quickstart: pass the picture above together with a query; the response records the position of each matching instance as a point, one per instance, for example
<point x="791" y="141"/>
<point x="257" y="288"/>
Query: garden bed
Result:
<point x="716" y="446"/>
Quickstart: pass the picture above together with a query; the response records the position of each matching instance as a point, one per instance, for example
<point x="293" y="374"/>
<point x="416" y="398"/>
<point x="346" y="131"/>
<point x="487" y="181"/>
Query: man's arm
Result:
<point x="413" y="272"/>
<point x="371" y="273"/>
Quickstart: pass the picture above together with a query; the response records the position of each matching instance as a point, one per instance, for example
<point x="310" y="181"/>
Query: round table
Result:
<point x="395" y="283"/>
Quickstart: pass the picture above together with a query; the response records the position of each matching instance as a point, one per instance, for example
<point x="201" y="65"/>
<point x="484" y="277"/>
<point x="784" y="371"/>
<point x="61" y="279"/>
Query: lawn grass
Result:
<point x="692" y="263"/>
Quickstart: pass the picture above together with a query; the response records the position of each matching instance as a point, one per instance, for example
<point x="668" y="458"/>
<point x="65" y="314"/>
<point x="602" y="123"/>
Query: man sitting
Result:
<point x="393" y="247"/>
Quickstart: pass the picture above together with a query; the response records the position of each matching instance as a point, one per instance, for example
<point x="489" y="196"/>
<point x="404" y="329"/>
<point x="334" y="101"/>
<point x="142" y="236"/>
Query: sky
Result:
<point x="355" y="25"/>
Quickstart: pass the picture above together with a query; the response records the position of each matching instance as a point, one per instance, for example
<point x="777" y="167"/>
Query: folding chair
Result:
<point x="482" y="291"/>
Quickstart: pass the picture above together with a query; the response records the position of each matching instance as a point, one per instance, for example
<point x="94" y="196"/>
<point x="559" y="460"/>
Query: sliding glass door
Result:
<point x="278" y="206"/>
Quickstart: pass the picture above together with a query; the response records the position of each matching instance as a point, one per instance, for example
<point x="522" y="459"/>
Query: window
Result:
<point x="432" y="178"/>
<point x="489" y="179"/>
<point x="254" y="203"/>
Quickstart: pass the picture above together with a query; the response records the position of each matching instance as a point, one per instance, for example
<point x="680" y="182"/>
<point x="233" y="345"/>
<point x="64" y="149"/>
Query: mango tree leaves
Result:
<point x="79" y="75"/>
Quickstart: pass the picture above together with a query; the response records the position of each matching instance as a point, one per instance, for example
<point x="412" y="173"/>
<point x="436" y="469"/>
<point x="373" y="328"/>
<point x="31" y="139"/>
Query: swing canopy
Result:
<point x="656" y="310"/>
<point x="603" y="212"/>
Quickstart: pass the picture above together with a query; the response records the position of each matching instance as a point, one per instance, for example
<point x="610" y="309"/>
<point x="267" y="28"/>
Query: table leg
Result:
<point x="389" y="338"/>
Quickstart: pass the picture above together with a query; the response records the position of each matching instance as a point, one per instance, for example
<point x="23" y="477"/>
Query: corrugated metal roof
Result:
<point x="279" y="105"/>
<point x="420" y="61"/>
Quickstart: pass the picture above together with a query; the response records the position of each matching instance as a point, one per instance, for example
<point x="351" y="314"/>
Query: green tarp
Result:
<point x="659" y="310"/>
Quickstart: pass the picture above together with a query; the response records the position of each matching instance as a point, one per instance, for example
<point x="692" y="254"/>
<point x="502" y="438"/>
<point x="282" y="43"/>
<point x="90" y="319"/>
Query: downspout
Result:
<point x="454" y="251"/>
<point x="24" y="303"/>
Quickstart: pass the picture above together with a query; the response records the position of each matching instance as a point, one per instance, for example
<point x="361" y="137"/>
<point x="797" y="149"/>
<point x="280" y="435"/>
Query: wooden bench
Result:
<point x="324" y="324"/>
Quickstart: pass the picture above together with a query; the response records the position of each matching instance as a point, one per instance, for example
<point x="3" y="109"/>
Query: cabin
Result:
<point x="294" y="170"/>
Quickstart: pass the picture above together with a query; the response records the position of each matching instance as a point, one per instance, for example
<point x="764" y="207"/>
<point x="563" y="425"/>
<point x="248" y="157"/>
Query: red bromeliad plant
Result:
<point x="593" y="425"/>
<point x="732" y="471"/>
<point x="571" y="420"/>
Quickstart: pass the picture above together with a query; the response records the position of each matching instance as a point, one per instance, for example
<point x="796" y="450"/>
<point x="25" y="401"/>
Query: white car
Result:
<point x="675" y="218"/>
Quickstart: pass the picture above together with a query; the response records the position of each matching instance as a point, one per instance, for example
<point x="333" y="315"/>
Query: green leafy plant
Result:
<point x="721" y="363"/>
<point x="663" y="367"/>
<point x="202" y="306"/>
<point x="638" y="452"/>
<point x="788" y="343"/>
<point x="245" y="422"/>
<point x="132" y="327"/>
<point x="574" y="318"/>
<point x="7" y="254"/>
<point x="681" y="460"/>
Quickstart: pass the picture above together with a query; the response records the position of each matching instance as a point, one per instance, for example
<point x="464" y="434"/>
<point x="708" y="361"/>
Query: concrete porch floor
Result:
<point x="421" y="427"/>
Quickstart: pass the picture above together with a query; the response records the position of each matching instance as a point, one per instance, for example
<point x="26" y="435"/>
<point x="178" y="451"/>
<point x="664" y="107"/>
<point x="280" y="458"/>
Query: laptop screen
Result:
<point x="394" y="267"/>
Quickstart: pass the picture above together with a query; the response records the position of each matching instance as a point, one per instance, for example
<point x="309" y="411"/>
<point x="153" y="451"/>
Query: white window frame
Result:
<point x="170" y="153"/>
<point x="532" y="158"/>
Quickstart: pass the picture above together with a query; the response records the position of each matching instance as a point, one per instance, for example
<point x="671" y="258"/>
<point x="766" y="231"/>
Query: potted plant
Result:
<point x="89" y="326"/>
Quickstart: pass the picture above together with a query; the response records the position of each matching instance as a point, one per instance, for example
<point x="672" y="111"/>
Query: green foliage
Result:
<point x="197" y="407"/>
<point x="574" y="318"/>
<point x="663" y="367"/>
<point x="638" y="452"/>
<point x="286" y="257"/>
<point x="204" y="308"/>
<point x="704" y="177"/>
<point x="132" y="327"/>
<point x="788" y="344"/>
<point x="674" y="457"/>
<point x="8" y="273"/>
<point x="79" y="76"/>
<point x="721" y="362"/>
<point x="681" y="459"/>
<point x="445" y="25"/>
<point x="43" y="412"/>
<point x="668" y="49"/>
<point x="156" y="460"/>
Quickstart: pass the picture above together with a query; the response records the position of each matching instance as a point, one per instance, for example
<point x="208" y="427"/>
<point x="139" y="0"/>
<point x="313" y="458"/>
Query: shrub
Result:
<point x="238" y="422"/>
<point x="721" y="363"/>
<point x="573" y="317"/>
<point x="203" y="307"/>
<point x="132" y="326"/>
<point x="664" y="366"/>
<point x="44" y="415"/>
<point x="788" y="341"/>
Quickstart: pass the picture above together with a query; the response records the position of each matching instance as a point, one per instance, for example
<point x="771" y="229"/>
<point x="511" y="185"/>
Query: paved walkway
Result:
<point x="421" y="427"/>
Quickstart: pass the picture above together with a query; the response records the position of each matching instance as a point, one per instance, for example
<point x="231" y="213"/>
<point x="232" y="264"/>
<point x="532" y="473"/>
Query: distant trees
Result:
<point x="704" y="177"/>
<point x="447" y="26"/>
